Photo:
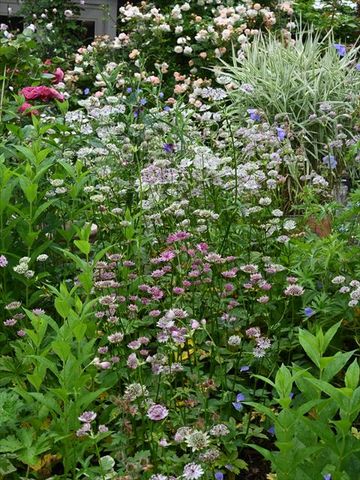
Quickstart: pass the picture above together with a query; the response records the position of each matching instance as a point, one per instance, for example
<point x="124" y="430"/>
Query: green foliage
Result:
<point x="313" y="430"/>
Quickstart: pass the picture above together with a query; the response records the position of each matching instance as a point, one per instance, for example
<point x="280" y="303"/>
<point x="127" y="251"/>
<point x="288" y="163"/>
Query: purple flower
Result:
<point x="281" y="134"/>
<point x="86" y="91"/>
<point x="219" y="476"/>
<point x="309" y="312"/>
<point x="3" y="261"/>
<point x="357" y="66"/>
<point x="103" y="429"/>
<point x="327" y="476"/>
<point x="143" y="101"/>
<point x="238" y="405"/>
<point x="341" y="49"/>
<point x="167" y="108"/>
<point x="157" y="412"/>
<point x="272" y="430"/>
<point x="161" y="95"/>
<point x="129" y="90"/>
<point x="84" y="430"/>
<point x="254" y="115"/>
<point x="87" y="417"/>
<point x="169" y="147"/>
<point x="330" y="161"/>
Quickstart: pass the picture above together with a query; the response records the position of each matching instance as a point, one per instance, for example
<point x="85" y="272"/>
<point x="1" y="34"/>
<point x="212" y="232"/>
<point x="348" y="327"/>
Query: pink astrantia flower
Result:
<point x="157" y="412"/>
<point x="3" y="261"/>
<point x="87" y="417"/>
<point x="178" y="236"/>
<point x="193" y="471"/>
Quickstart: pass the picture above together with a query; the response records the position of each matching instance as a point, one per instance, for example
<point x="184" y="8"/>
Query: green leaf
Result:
<point x="43" y="208"/>
<point x="352" y="375"/>
<point x="62" y="349"/>
<point x="29" y="189"/>
<point x="62" y="307"/>
<point x="329" y="335"/>
<point x="6" y="466"/>
<point x="27" y="152"/>
<point x="335" y="364"/>
<point x="84" y="246"/>
<point x="310" y="345"/>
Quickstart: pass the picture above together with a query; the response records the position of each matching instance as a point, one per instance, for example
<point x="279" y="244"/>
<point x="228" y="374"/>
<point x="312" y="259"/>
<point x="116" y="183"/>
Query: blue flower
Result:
<point x="244" y="368"/>
<point x="254" y="115"/>
<point x="143" y="101"/>
<point x="330" y="161"/>
<point x="161" y="95"/>
<point x="281" y="134"/>
<point x="129" y="90"/>
<point x="309" y="312"/>
<point x="169" y="147"/>
<point x="272" y="430"/>
<point x="219" y="476"/>
<point x="167" y="108"/>
<point x="341" y="49"/>
<point x="238" y="405"/>
<point x="86" y="91"/>
<point x="357" y="66"/>
<point x="327" y="476"/>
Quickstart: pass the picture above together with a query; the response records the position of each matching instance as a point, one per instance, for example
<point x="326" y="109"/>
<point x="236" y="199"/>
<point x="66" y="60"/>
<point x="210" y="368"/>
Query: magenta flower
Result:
<point x="41" y="92"/>
<point x="178" y="236"/>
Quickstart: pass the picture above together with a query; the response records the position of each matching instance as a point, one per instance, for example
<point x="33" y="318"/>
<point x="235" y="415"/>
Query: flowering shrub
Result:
<point x="178" y="41"/>
<point x="57" y="31"/>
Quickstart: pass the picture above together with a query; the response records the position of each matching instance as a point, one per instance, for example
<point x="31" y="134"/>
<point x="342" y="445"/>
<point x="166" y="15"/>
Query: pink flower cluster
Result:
<point x="40" y="92"/>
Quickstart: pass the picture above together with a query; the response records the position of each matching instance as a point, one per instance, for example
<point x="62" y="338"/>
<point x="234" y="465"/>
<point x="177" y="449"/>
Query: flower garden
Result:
<point x="179" y="244"/>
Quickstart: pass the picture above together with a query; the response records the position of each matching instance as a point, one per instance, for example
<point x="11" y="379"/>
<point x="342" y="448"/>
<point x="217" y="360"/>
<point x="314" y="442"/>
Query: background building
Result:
<point x="99" y="16"/>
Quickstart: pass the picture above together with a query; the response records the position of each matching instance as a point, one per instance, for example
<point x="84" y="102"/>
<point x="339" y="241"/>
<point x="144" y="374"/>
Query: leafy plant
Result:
<point x="313" y="416"/>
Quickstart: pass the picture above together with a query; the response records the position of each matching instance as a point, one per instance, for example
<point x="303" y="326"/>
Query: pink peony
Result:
<point x="59" y="75"/>
<point x="42" y="92"/>
<point x="25" y="106"/>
